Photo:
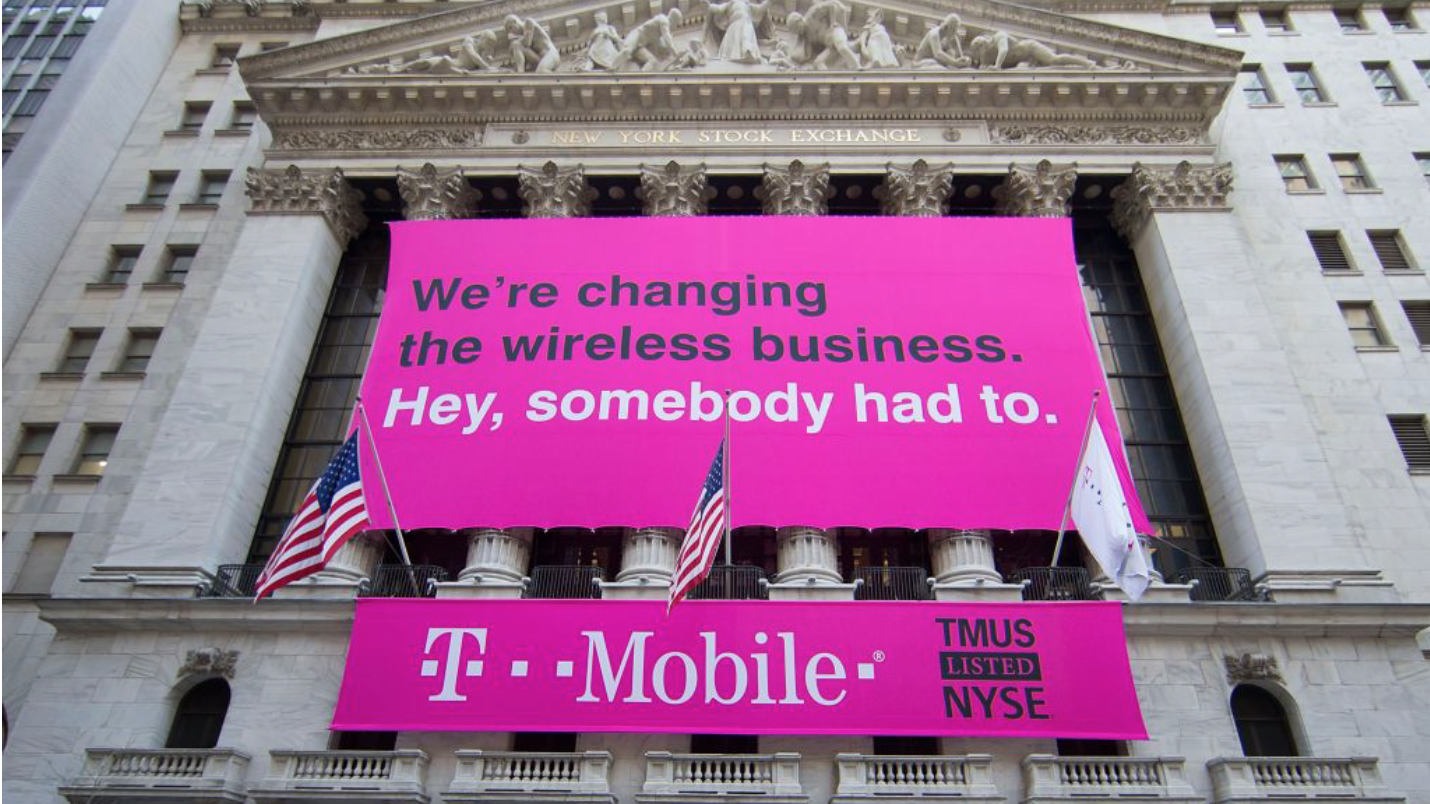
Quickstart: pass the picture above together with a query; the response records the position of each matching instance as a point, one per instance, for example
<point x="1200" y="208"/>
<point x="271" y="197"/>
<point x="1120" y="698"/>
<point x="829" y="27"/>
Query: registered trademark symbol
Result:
<point x="878" y="656"/>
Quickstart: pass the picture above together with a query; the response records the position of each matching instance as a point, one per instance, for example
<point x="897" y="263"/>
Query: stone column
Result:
<point x="357" y="559"/>
<point x="432" y="194"/>
<point x="555" y="192"/>
<point x="1039" y="191"/>
<point x="649" y="555"/>
<point x="962" y="556"/>
<point x="497" y="561"/>
<point x="799" y="189"/>
<point x="197" y="499"/>
<point x="674" y="191"/>
<point x="807" y="555"/>
<point x="916" y="191"/>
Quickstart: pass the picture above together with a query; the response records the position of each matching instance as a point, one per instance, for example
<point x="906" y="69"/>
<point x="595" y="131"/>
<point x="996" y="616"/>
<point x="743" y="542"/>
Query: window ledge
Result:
<point x="1409" y="31"/>
<point x="1412" y="272"/>
<point x="61" y="375"/>
<point x="198" y="207"/>
<point x="1342" y="273"/>
<point x="145" y="206"/>
<point x="1401" y="103"/>
<point x="77" y="478"/>
<point x="105" y="286"/>
<point x="1319" y="104"/>
<point x="1233" y="34"/>
<point x="1420" y="470"/>
<point x="163" y="286"/>
<point x="17" y="596"/>
<point x="1366" y="191"/>
<point x="232" y="132"/>
<point x="1377" y="348"/>
<point x="1266" y="106"/>
<point x="1425" y="347"/>
<point x="121" y="375"/>
<point x="212" y="71"/>
<point x="1283" y="33"/>
<point x="1358" y="33"/>
<point x="182" y="132"/>
<point x="19" y="478"/>
<point x="1305" y="192"/>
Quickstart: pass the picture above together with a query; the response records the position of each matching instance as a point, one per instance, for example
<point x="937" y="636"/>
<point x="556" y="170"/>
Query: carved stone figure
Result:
<point x="780" y="59"/>
<point x="1251" y="667"/>
<point x="874" y="44"/>
<point x="209" y="662"/>
<point x="471" y="55"/>
<point x="673" y="191"/>
<point x="532" y="50"/>
<point x="916" y="191"/>
<point x="796" y="190"/>
<point x="736" y="28"/>
<point x="692" y="58"/>
<point x="1000" y="51"/>
<point x="651" y="45"/>
<point x="602" y="47"/>
<point x="429" y="194"/>
<point x="1041" y="191"/>
<point x="554" y="192"/>
<point x="942" y="46"/>
<point x="822" y="36"/>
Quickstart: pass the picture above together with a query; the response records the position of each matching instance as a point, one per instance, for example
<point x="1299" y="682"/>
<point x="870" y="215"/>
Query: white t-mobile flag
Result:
<point x="1099" y="509"/>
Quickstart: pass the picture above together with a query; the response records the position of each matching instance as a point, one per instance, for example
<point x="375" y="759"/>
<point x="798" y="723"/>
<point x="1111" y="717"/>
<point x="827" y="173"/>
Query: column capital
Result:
<point x="295" y="191"/>
<point x="555" y="192"/>
<point x="675" y="191"/>
<point x="798" y="189"/>
<point x="1181" y="188"/>
<point x="1036" y="191"/>
<point x="430" y="193"/>
<point x="919" y="190"/>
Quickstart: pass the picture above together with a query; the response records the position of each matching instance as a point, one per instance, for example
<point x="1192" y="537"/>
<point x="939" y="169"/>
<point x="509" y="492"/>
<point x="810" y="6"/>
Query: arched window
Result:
<point x="1261" y="723"/>
<point x="199" y="718"/>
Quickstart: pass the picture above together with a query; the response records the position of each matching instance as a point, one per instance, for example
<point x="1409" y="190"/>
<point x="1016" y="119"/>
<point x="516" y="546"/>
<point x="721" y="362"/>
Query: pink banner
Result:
<point x="1002" y="670"/>
<point x="886" y="371"/>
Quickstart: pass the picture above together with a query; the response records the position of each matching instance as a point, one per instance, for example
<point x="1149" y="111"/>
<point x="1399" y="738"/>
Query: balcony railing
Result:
<point x="773" y="777"/>
<point x="862" y="776"/>
<point x="565" y="582"/>
<point x="1055" y="583"/>
<point x="205" y="776"/>
<point x="1050" y="777"/>
<point x="732" y="582"/>
<point x="510" y="775"/>
<point x="233" y="580"/>
<point x="1220" y="584"/>
<point x="395" y="580"/>
<point x="1242" y="778"/>
<point x="374" y="776"/>
<point x="891" y="583"/>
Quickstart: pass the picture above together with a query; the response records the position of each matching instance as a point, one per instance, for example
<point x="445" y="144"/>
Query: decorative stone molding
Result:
<point x="308" y="192"/>
<point x="496" y="555"/>
<point x="675" y="191"/>
<point x="962" y="556"/>
<point x="555" y="192"/>
<point x="398" y="138"/>
<point x="1251" y="667"/>
<point x="430" y="194"/>
<point x="1181" y="188"/>
<point x="649" y="555"/>
<point x="917" y="190"/>
<point x="799" y="189"/>
<point x="209" y="662"/>
<point x="1014" y="134"/>
<point x="1039" y="191"/>
<point x="807" y="555"/>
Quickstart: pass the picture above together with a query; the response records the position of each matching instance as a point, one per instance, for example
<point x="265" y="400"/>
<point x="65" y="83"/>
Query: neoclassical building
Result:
<point x="1249" y="190"/>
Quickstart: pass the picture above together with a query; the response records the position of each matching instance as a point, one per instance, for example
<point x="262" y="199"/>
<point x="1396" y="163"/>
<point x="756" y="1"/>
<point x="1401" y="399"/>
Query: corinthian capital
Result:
<point x="799" y="189"/>
<point x="673" y="191"/>
<point x="1040" y="191"/>
<point x="308" y="192"/>
<point x="1183" y="187"/>
<point x="917" y="191"/>
<point x="430" y="194"/>
<point x="555" y="192"/>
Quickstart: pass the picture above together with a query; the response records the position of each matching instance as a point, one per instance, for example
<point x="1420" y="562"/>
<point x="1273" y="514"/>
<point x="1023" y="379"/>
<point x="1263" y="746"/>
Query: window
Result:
<point x="1361" y="321"/>
<point x="1399" y="19"/>
<point x="198" y="720"/>
<point x="1384" y="82"/>
<point x="1413" y="438"/>
<point x="1303" y="78"/>
<point x="1261" y="723"/>
<point x="1419" y="314"/>
<point x="1388" y="250"/>
<point x="1226" y="22"/>
<point x="224" y="56"/>
<point x="244" y="115"/>
<point x="94" y="452"/>
<point x="1424" y="162"/>
<point x="194" y="115"/>
<point x="1257" y="92"/>
<point x="160" y="185"/>
<point x="139" y="350"/>
<point x="1350" y="20"/>
<point x="42" y="564"/>
<point x="34" y="440"/>
<point x="79" y="350"/>
<point x="724" y="744"/>
<point x="31" y="103"/>
<point x="122" y="260"/>
<point x="1330" y="253"/>
<point x="211" y="187"/>
<point x="1276" y="21"/>
<point x="1423" y="67"/>
<point x="1295" y="174"/>
<point x="178" y="262"/>
<point x="69" y="45"/>
<point x="1351" y="171"/>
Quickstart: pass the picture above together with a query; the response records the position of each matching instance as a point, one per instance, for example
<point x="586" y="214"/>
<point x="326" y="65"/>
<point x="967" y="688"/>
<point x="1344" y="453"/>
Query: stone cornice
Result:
<point x="295" y="191"/>
<point x="1181" y="188"/>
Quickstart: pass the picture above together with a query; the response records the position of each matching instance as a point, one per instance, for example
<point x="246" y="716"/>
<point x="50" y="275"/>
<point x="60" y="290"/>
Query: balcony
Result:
<point x="1058" y="779"/>
<point x="395" y="580"/>
<point x="1264" y="779"/>
<point x="892" y="583"/>
<point x="565" y="582"/>
<point x="732" y="582"/>
<point x="1055" y="583"/>
<point x="398" y="777"/>
<point x="721" y="778"/>
<point x="1220" y="585"/>
<point x="864" y="778"/>
<point x="145" y="776"/>
<point x="502" y="776"/>
<point x="233" y="580"/>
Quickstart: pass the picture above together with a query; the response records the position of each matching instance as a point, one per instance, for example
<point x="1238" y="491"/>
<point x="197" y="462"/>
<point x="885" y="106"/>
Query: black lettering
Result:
<point x="650" y="346"/>
<point x="957" y="696"/>
<point x="1010" y="700"/>
<point x="434" y="288"/>
<point x="543" y="295"/>
<point x="990" y="349"/>
<point x="717" y="346"/>
<point x="683" y="347"/>
<point x="838" y="349"/>
<point x="600" y="346"/>
<point x="1035" y="702"/>
<point x="923" y="349"/>
<point x="583" y="295"/>
<point x="956" y="349"/>
<point x="466" y="350"/>
<point x="762" y="340"/>
<point x="1024" y="629"/>
<point x="521" y="347"/>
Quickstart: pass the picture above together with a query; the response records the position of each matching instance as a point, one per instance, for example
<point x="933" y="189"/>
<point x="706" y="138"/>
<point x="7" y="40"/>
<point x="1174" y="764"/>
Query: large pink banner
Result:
<point x="886" y="371"/>
<point x="1007" y="670"/>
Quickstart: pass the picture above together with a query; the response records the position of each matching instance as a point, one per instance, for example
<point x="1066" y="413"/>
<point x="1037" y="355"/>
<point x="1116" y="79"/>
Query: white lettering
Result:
<point x="634" y="657"/>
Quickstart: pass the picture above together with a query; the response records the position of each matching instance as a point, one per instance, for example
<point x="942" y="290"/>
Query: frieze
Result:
<point x="687" y="136"/>
<point x="1251" y="667"/>
<point x="209" y="662"/>
<point x="1097" y="135"/>
<point x="377" y="139"/>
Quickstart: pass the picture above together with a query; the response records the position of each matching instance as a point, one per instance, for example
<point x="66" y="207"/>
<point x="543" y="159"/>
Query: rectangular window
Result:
<point x="161" y="184"/>
<point x="1413" y="438"/>
<point x="1226" y="22"/>
<point x="1384" y="82"/>
<point x="1424" y="161"/>
<point x="1361" y="321"/>
<point x="1350" y="20"/>
<point x="177" y="264"/>
<point x="1419" y="314"/>
<point x="39" y="46"/>
<point x="122" y="260"/>
<point x="1423" y="67"/>
<point x="1276" y="21"/>
<point x="1254" y="85"/>
<point x="1399" y="19"/>
<point x="139" y="350"/>
<point x="244" y="115"/>
<point x="79" y="350"/>
<point x="42" y="564"/>
<point x="34" y="440"/>
<point x="1303" y="78"/>
<point x="211" y="187"/>
<point x="1351" y="171"/>
<point x="93" y="456"/>
<point x="1330" y="253"/>
<point x="1295" y="174"/>
<point x="194" y="115"/>
<point x="224" y="56"/>
<point x="31" y="103"/>
<point x="1389" y="250"/>
<point x="69" y="45"/>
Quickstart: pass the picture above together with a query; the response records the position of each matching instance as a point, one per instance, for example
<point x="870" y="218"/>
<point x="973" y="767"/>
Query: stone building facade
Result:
<point x="1249" y="187"/>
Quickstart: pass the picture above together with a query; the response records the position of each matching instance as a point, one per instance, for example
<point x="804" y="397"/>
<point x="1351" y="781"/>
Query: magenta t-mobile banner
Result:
<point x="885" y="371"/>
<point x="1005" y="670"/>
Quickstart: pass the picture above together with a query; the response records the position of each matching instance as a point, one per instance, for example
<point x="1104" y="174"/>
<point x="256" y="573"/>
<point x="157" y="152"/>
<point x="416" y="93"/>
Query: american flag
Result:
<point x="332" y="513"/>
<point x="707" y="525"/>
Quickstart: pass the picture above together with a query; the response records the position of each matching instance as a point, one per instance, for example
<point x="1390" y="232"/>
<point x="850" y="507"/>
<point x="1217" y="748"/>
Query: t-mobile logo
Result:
<point x="453" y="666"/>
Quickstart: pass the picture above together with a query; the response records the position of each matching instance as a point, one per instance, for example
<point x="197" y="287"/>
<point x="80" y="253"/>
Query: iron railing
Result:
<point x="396" y="580"/>
<point x="891" y="583"/>
<point x="1055" y="583"/>
<point x="565" y="582"/>
<point x="732" y="582"/>
<point x="233" y="580"/>
<point x="1220" y="584"/>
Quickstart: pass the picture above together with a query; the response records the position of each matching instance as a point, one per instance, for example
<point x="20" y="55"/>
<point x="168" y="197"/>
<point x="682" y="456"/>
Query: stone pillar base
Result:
<point x="638" y="589"/>
<point x="1156" y="593"/>
<point x="318" y="587"/>
<point x="811" y="591"/>
<point x="976" y="591"/>
<point x="483" y="589"/>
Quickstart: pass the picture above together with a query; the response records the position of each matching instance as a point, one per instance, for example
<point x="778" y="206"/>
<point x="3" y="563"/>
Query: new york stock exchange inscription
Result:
<point x="793" y="135"/>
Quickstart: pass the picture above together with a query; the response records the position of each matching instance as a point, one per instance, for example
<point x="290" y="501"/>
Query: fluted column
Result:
<point x="649" y="555"/>
<point x="962" y="556"/>
<point x="1183" y="188"/>
<point x="916" y="191"/>
<point x="673" y="191"/>
<point x="433" y="194"/>
<point x="799" y="189"/>
<point x="807" y="555"/>
<point x="357" y="559"/>
<point x="496" y="555"/>
<point x="555" y="192"/>
<point x="1037" y="191"/>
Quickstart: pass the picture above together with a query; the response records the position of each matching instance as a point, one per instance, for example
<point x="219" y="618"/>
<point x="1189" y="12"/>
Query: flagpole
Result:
<point x="1067" y="508"/>
<point x="725" y="477"/>
<point x="382" y="478"/>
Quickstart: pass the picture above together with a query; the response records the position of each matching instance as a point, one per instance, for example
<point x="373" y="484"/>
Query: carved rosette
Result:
<point x="209" y="662"/>
<point x="673" y="191"/>
<point x="799" y="189"/>
<point x="1251" y="667"/>
<point x="1182" y="188"/>
<point x="555" y="192"/>
<point x="430" y="194"/>
<point x="917" y="191"/>
<point x="296" y="191"/>
<point x="1039" y="191"/>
